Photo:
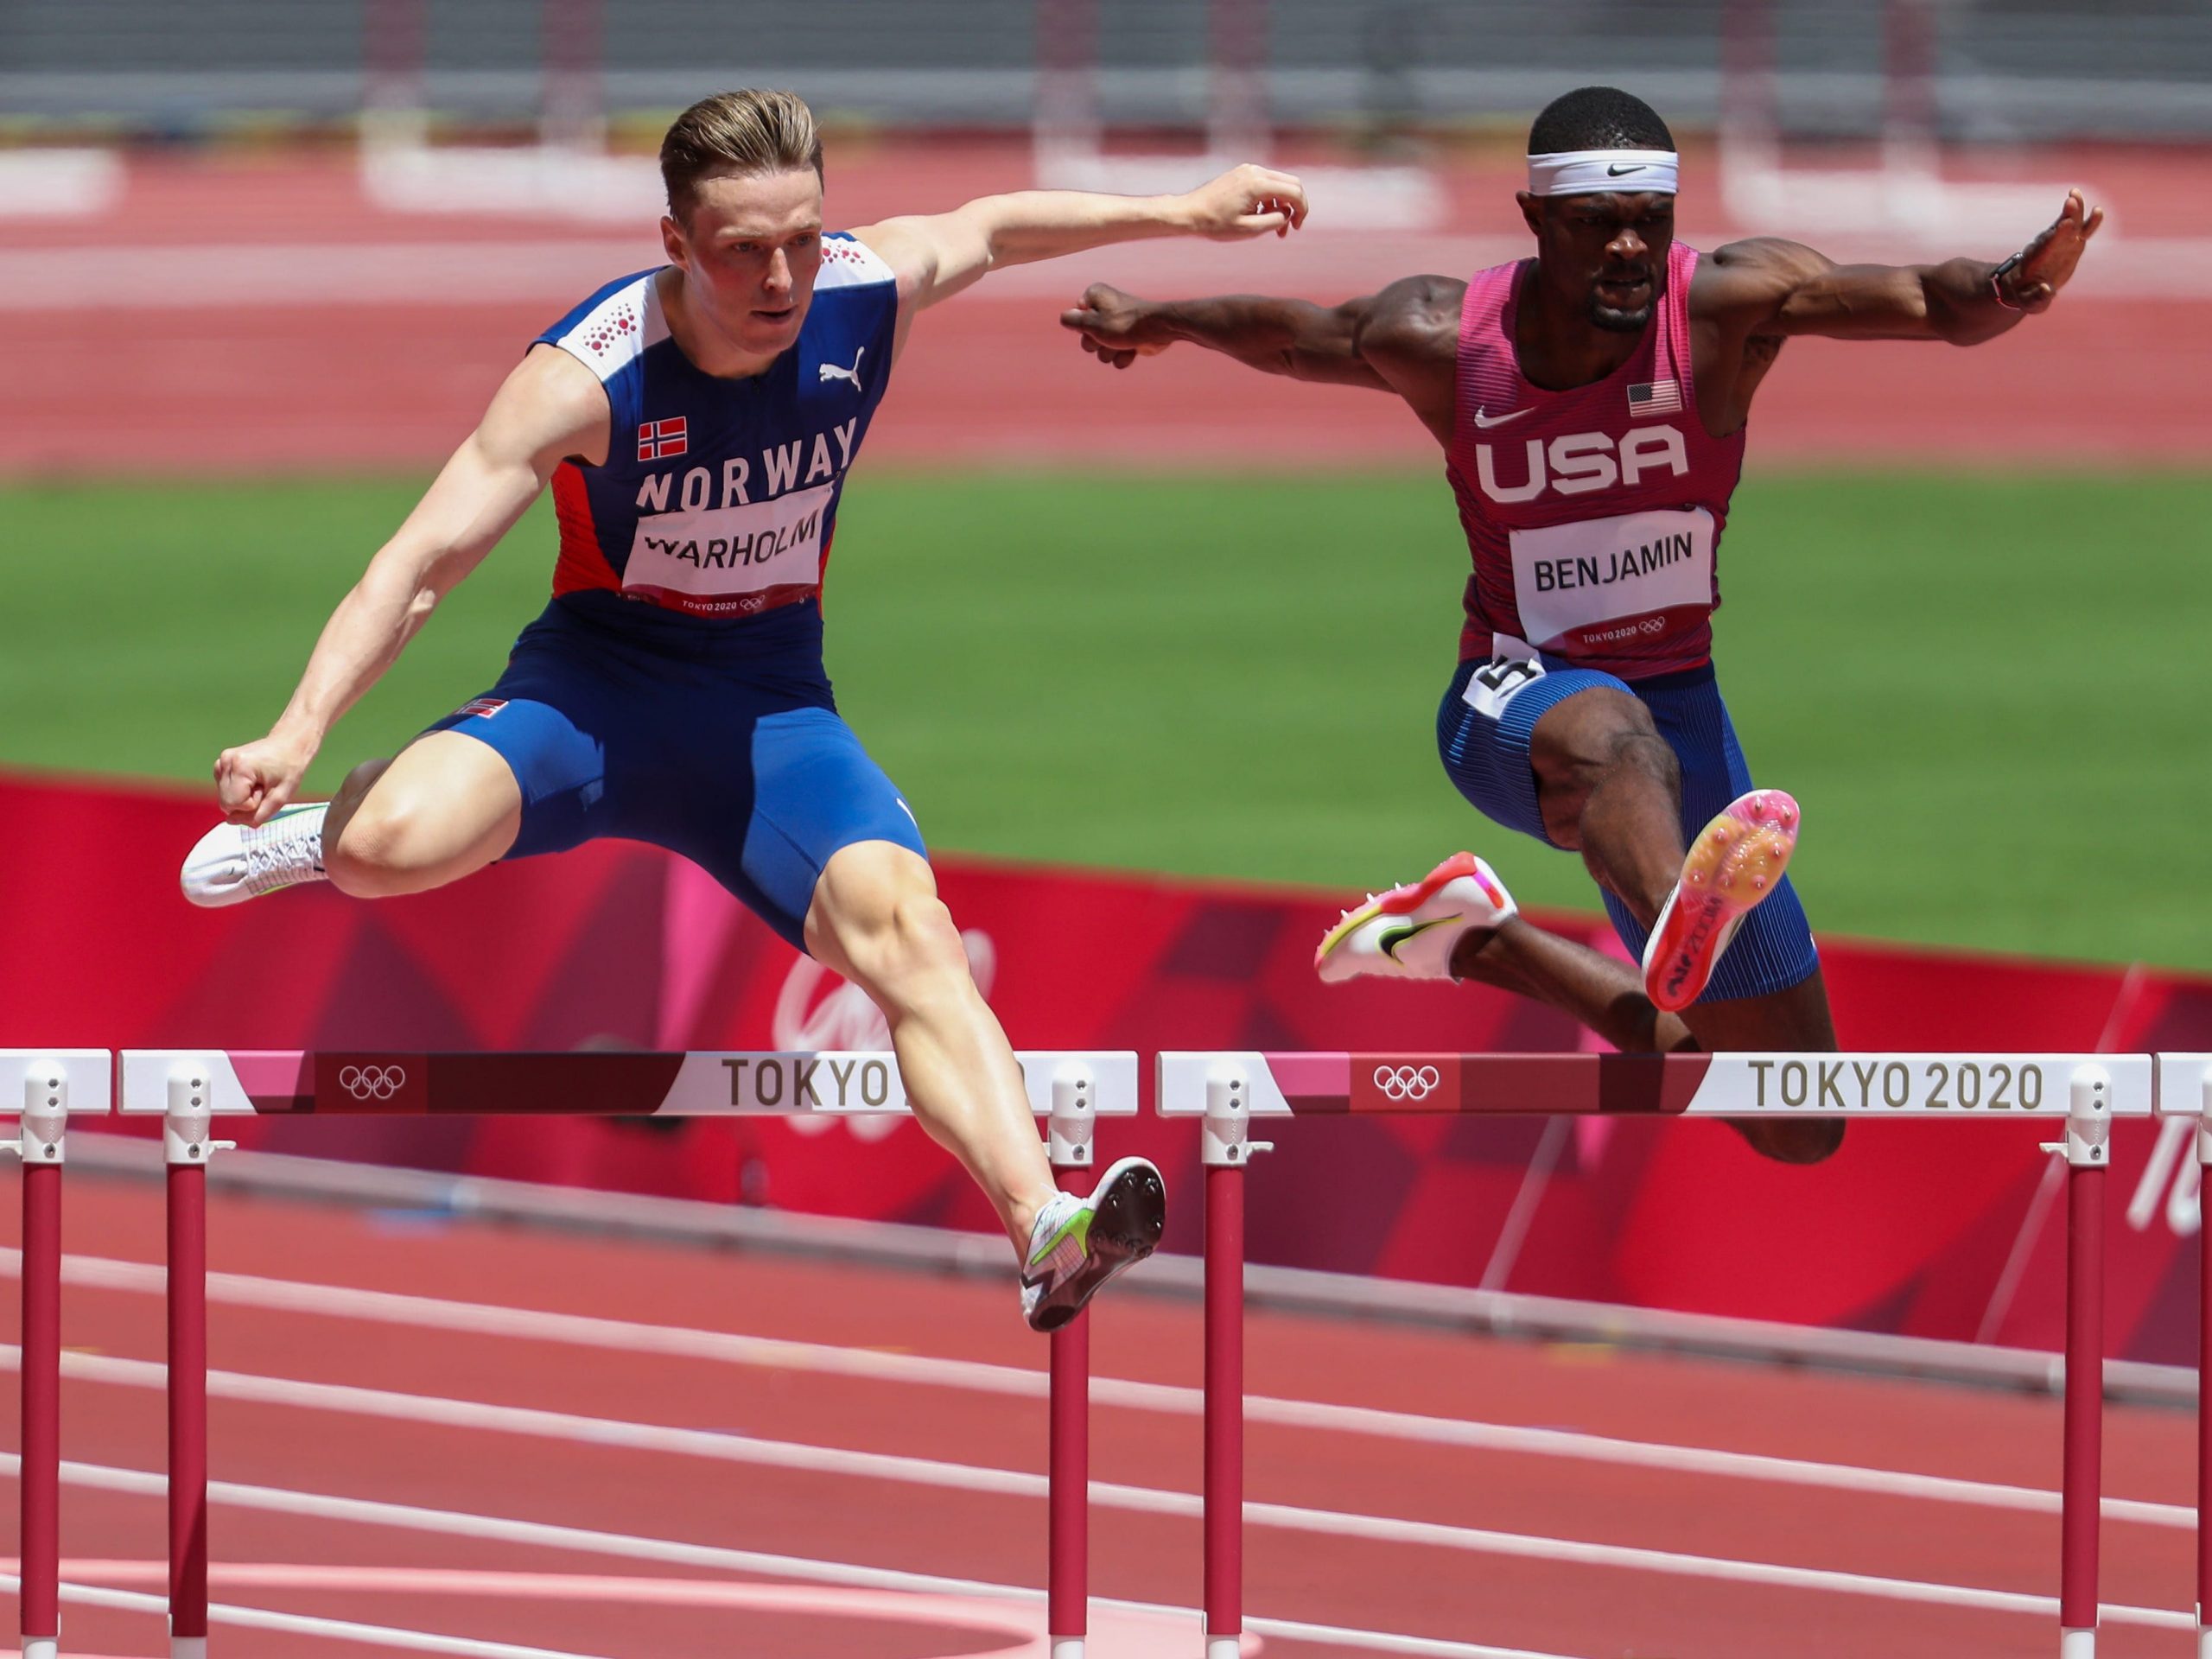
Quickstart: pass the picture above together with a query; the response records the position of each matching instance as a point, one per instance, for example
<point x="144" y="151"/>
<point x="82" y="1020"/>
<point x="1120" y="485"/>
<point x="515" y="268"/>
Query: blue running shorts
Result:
<point x="742" y="766"/>
<point x="1483" y="730"/>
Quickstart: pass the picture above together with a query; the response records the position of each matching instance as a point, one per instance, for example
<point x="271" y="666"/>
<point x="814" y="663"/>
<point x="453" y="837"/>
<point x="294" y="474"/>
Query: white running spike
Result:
<point x="232" y="863"/>
<point x="1411" y="931"/>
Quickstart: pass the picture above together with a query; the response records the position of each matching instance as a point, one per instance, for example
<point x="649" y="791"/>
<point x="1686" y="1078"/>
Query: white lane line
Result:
<point x="430" y="274"/>
<point x="546" y="1535"/>
<point x="632" y="1337"/>
<point x="258" y="1618"/>
<point x="734" y="1448"/>
<point x="998" y="1622"/>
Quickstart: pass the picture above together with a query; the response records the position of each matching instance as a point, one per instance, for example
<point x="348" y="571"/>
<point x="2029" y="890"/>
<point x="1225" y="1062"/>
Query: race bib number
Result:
<point x="728" y="560"/>
<point x="1493" y="685"/>
<point x="1572" y="578"/>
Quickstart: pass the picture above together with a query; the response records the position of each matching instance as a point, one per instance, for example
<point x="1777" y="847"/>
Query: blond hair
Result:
<point x="749" y="134"/>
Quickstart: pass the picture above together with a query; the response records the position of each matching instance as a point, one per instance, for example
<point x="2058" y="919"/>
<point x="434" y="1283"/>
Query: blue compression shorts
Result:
<point x="1483" y="733"/>
<point x="744" y="768"/>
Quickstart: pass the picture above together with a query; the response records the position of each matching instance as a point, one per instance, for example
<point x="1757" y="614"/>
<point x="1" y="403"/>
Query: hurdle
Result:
<point x="46" y="1085"/>
<point x="2185" y="1091"/>
<point x="2077" y="1095"/>
<point x="188" y="1090"/>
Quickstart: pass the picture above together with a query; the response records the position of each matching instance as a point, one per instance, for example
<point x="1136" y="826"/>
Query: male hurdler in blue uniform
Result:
<point x="696" y="422"/>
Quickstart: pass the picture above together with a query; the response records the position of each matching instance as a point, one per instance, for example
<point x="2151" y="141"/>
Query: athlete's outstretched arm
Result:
<point x="1403" y="339"/>
<point x="549" y="407"/>
<point x="1771" y="287"/>
<point x="937" y="255"/>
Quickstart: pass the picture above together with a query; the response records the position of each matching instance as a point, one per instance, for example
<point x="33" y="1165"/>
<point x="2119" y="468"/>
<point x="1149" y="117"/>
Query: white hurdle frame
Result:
<point x="2077" y="1094"/>
<point x="189" y="1089"/>
<point x="2185" y="1091"/>
<point x="43" y="1087"/>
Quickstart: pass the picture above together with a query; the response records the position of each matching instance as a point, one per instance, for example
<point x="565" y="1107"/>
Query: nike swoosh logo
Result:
<point x="1392" y="937"/>
<point x="1617" y="171"/>
<point x="1486" y="422"/>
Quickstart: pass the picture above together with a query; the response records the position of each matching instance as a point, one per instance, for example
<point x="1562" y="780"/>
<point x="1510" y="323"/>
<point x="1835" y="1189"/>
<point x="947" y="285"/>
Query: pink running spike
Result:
<point x="1736" y="860"/>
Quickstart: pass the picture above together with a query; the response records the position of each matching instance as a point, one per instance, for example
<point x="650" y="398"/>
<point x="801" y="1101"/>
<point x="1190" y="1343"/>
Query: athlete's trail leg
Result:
<point x="444" y="808"/>
<point x="1602" y="993"/>
<point x="876" y="919"/>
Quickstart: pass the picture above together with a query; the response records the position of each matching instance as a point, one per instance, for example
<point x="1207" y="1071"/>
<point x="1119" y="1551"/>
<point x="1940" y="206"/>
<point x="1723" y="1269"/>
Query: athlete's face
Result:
<point x="750" y="252"/>
<point x="1606" y="254"/>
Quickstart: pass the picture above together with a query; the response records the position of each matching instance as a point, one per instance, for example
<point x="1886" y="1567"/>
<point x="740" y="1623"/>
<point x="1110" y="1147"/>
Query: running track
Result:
<point x="259" y="315"/>
<point x="471" y="1402"/>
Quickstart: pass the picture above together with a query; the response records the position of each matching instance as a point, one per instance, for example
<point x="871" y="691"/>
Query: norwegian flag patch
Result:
<point x="1659" y="398"/>
<point x="657" y="439"/>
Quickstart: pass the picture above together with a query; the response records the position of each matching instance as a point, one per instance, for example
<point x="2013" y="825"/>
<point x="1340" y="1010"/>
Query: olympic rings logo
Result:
<point x="372" y="1082"/>
<point x="1407" y="1081"/>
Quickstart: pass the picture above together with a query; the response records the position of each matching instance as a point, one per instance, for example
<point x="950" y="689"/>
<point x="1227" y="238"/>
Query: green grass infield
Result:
<point x="1988" y="690"/>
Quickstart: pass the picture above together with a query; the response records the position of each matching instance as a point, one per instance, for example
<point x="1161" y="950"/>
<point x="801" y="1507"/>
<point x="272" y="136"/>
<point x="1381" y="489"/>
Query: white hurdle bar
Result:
<point x="43" y="1087"/>
<point x="188" y="1089"/>
<point x="2077" y="1096"/>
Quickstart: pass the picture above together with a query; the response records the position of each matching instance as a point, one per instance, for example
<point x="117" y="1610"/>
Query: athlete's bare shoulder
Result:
<point x="550" y="404"/>
<point x="1415" y="319"/>
<point x="1409" y="335"/>
<point x="1742" y="284"/>
<point x="1737" y="296"/>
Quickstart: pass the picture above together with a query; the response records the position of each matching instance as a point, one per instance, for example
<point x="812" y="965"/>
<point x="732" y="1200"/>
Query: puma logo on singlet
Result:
<point x="831" y="371"/>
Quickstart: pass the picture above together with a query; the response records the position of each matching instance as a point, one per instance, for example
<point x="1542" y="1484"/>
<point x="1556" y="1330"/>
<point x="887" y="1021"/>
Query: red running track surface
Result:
<point x="258" y="314"/>
<point x="1431" y="1585"/>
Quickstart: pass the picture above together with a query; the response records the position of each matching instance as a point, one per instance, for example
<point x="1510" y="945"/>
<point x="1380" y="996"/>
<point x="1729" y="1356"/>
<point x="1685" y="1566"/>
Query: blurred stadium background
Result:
<point x="261" y="265"/>
<point x="243" y="246"/>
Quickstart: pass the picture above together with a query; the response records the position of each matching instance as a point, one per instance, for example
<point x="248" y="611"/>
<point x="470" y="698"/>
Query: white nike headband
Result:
<point x="1589" y="171"/>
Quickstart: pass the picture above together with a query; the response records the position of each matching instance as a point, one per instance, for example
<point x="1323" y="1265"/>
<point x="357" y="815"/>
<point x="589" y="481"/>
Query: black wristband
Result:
<point x="1997" y="283"/>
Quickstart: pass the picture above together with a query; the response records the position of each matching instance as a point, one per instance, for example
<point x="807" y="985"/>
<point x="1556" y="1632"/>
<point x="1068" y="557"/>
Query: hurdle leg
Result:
<point x="2203" y="1371"/>
<point x="1070" y="1141"/>
<point x="1225" y="1147"/>
<point x="2088" y="1126"/>
<point x="39" y="1144"/>
<point x="187" y="1146"/>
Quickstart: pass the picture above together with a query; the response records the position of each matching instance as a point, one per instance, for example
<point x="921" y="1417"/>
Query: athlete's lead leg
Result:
<point x="877" y="920"/>
<point x="1611" y="788"/>
<point x="446" y="806"/>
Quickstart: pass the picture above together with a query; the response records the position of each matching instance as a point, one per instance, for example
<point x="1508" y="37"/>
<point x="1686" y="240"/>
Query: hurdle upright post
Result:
<point x="2088" y="1151"/>
<point x="39" y="1144"/>
<point x="2203" y="1368"/>
<point x="1071" y="1135"/>
<point x="1225" y="1146"/>
<point x="188" y="1142"/>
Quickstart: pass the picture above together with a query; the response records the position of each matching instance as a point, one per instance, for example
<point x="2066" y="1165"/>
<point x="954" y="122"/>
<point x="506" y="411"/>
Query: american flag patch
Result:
<point x="1658" y="398"/>
<point x="479" y="707"/>
<point x="656" y="440"/>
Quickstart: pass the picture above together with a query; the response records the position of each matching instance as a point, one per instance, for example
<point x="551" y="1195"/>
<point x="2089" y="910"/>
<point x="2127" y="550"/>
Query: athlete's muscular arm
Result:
<point x="1770" y="286"/>
<point x="549" y="408"/>
<point x="1403" y="339"/>
<point x="1748" y="297"/>
<point x="935" y="256"/>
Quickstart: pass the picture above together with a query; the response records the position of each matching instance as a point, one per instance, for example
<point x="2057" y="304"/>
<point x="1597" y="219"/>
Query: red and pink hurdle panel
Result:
<point x="188" y="1090"/>
<point x="43" y="1087"/>
<point x="2076" y="1095"/>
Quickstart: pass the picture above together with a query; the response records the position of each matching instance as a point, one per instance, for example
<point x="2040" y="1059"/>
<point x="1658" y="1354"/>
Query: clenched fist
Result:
<point x="1117" y="328"/>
